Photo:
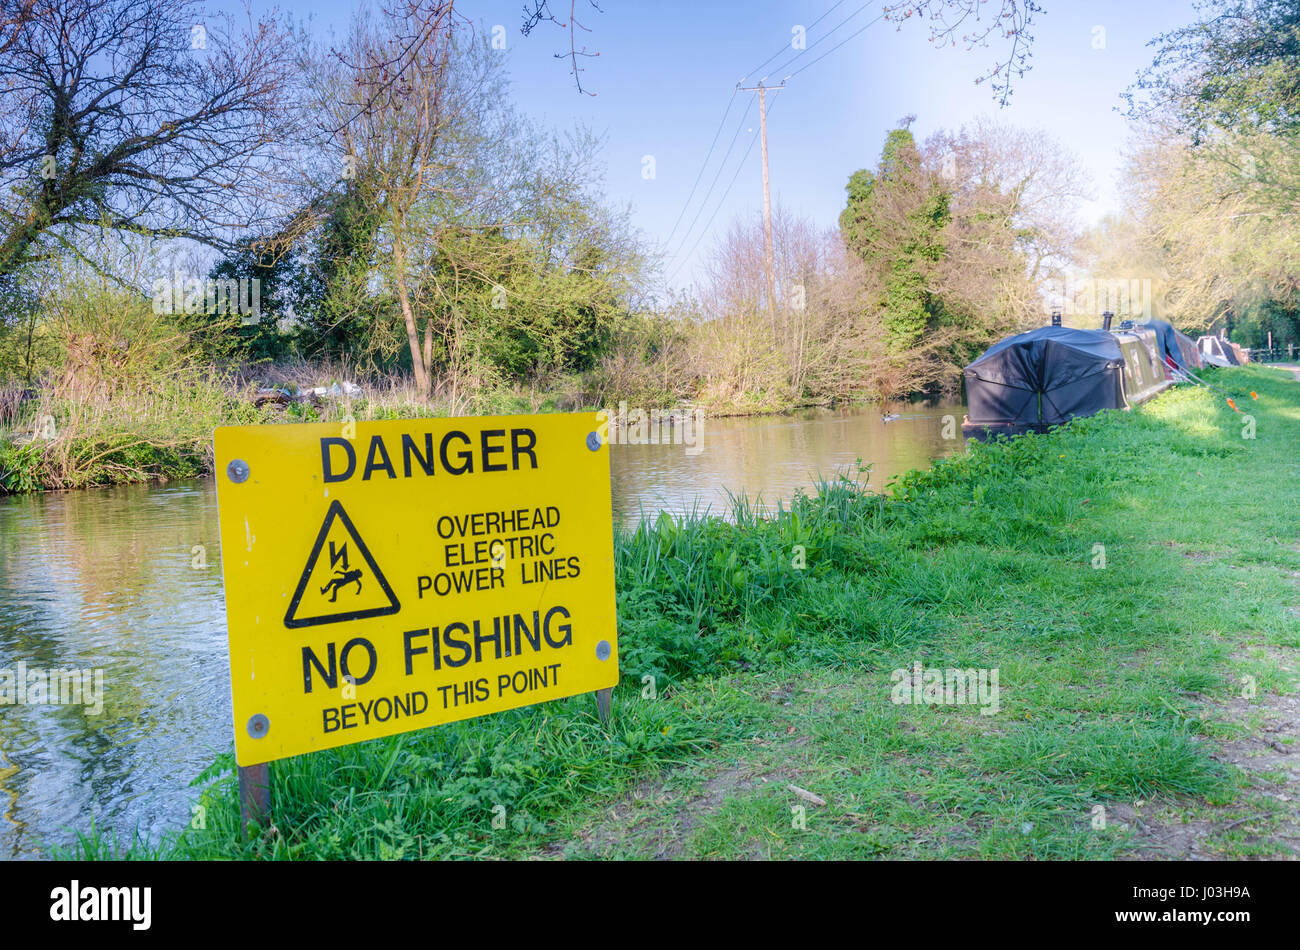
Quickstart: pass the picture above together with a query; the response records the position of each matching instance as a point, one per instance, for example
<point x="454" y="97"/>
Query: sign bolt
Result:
<point x="602" y="650"/>
<point x="237" y="470"/>
<point x="259" y="726"/>
<point x="593" y="441"/>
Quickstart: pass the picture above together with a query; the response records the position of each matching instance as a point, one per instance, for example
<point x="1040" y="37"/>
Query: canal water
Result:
<point x="127" y="581"/>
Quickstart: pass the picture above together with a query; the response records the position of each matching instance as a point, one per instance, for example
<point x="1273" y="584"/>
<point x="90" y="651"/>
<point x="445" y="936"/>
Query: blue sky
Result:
<point x="667" y="69"/>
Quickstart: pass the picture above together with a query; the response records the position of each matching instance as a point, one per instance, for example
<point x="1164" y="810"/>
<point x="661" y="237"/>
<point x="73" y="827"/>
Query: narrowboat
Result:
<point x="1217" y="351"/>
<point x="1045" y="377"/>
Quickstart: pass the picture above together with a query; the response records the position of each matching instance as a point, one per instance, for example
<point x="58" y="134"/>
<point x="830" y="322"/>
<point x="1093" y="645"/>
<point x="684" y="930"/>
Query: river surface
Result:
<point x="127" y="581"/>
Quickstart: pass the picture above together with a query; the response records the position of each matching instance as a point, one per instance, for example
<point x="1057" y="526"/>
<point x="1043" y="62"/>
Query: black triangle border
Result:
<point x="294" y="623"/>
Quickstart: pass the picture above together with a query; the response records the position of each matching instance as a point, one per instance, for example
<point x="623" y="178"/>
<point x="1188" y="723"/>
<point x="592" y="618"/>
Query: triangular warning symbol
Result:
<point x="341" y="580"/>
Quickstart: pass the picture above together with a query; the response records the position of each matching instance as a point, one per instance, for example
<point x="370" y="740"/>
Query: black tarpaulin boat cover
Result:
<point x="1173" y="346"/>
<point x="1045" y="377"/>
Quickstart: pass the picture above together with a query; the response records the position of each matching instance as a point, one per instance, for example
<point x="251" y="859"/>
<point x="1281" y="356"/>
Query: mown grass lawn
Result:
<point x="1133" y="581"/>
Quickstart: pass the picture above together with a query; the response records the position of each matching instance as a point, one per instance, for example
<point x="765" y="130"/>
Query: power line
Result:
<point x="838" y="45"/>
<point x="786" y="47"/>
<point x="705" y="165"/>
<point x="721" y="201"/>
<point x="823" y="39"/>
<point x="713" y="144"/>
<point x="704" y="202"/>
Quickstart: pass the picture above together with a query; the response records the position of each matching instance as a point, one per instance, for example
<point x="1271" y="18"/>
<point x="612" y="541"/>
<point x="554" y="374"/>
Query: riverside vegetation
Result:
<point x="753" y="690"/>
<point x="403" y="225"/>
<point x="411" y="231"/>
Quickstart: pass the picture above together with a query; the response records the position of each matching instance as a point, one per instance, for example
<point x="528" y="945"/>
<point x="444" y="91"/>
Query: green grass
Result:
<point x="767" y="675"/>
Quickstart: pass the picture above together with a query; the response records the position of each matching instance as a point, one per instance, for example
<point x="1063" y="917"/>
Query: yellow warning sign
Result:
<point x="389" y="576"/>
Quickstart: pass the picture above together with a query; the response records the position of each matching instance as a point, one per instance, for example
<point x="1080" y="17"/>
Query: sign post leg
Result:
<point x="604" y="698"/>
<point x="254" y="794"/>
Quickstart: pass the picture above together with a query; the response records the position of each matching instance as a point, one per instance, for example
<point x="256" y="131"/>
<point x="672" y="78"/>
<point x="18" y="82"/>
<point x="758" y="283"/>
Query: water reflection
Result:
<point x="770" y="458"/>
<point x="108" y="580"/>
<point x="128" y="580"/>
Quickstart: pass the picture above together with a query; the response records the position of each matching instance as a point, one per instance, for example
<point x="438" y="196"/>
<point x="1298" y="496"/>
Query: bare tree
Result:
<point x="972" y="22"/>
<point x="394" y="125"/>
<point x="1211" y="233"/>
<point x="541" y="11"/>
<point x="13" y="14"/>
<point x="144" y="116"/>
<point x="486" y="224"/>
<point x="1012" y="231"/>
<point x="824" y="339"/>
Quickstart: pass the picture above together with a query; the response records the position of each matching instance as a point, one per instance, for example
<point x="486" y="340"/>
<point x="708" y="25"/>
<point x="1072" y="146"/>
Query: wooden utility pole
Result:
<point x="767" y="191"/>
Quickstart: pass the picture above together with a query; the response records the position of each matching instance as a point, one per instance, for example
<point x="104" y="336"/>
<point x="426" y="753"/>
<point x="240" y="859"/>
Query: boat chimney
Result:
<point x="1056" y="318"/>
<point x="1105" y="320"/>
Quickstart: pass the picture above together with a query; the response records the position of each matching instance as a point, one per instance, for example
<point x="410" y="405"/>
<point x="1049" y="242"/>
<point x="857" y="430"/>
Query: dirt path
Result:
<point x="1292" y="367"/>
<point x="1266" y="750"/>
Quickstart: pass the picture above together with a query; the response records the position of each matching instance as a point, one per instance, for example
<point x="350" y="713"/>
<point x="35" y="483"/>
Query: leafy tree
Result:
<point x="1216" y="179"/>
<point x="277" y="274"/>
<point x="473" y="246"/>
<point x="334" y="304"/>
<point x="962" y="235"/>
<point x="1237" y="68"/>
<point x="894" y="221"/>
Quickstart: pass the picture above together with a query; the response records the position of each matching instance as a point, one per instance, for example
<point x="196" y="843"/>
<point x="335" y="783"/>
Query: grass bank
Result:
<point x="162" y="429"/>
<point x="1131" y="579"/>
